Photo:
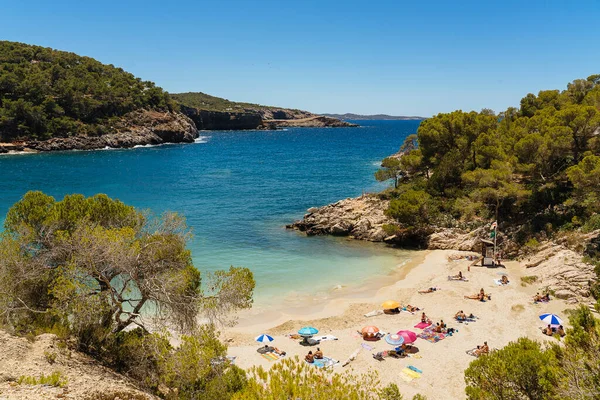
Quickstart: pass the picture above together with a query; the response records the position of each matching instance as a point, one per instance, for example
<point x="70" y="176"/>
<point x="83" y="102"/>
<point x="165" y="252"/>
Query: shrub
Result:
<point x="528" y="280"/>
<point x="54" y="379"/>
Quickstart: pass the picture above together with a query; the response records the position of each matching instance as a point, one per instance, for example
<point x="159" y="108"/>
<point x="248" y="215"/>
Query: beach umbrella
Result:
<point x="409" y="336"/>
<point x="371" y="330"/>
<point x="264" y="338"/>
<point x="551" y="319"/>
<point x="390" y="304"/>
<point x="394" y="339"/>
<point x="308" y="331"/>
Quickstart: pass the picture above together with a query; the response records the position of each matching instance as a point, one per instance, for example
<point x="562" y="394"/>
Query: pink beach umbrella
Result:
<point x="409" y="336"/>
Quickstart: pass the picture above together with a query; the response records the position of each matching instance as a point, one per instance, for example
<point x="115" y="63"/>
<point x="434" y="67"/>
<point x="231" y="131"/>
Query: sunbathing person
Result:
<point x="309" y="358"/>
<point x="425" y="319"/>
<point x="442" y="324"/>
<point x="430" y="290"/>
<point x="458" y="277"/>
<point x="410" y="308"/>
<point x="485" y="348"/>
<point x="279" y="352"/>
<point x="504" y="280"/>
<point x="318" y="354"/>
<point x="460" y="316"/>
<point x="438" y="328"/>
<point x="546" y="297"/>
<point x="561" y="331"/>
<point x="548" y="331"/>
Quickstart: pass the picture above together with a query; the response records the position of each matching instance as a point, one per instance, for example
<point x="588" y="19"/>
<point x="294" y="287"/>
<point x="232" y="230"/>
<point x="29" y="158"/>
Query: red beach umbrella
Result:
<point x="409" y="336"/>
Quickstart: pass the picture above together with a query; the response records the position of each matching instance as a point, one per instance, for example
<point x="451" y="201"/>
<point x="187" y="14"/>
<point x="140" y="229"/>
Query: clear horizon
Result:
<point x="415" y="59"/>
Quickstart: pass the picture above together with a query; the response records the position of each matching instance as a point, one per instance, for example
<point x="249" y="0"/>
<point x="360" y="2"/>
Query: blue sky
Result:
<point x="396" y="57"/>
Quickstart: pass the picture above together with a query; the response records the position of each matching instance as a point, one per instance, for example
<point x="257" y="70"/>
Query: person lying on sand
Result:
<point x="458" y="277"/>
<point x="430" y="290"/>
<point x="479" y="296"/>
<point x="309" y="358"/>
<point x="425" y="319"/>
<point x="318" y="354"/>
<point x="279" y="352"/>
<point x="504" y="280"/>
<point x="410" y="308"/>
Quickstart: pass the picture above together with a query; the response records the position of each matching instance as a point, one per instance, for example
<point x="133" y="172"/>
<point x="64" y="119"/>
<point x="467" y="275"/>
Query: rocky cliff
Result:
<point x="268" y="118"/>
<point x="141" y="127"/>
<point x="556" y="265"/>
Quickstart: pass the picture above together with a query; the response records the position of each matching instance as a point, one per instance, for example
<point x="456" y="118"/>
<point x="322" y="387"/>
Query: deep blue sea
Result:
<point x="237" y="191"/>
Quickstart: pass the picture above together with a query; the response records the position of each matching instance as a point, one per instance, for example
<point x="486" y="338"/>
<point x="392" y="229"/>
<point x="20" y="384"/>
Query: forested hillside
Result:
<point x="47" y="93"/>
<point x="537" y="165"/>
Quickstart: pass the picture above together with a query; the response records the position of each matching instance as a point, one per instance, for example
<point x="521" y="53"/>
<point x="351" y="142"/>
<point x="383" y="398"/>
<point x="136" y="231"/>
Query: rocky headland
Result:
<point x="259" y="118"/>
<point x="141" y="127"/>
<point x="556" y="264"/>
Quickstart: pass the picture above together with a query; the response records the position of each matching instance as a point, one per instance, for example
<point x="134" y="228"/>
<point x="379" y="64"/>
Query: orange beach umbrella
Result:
<point x="390" y="304"/>
<point x="371" y="330"/>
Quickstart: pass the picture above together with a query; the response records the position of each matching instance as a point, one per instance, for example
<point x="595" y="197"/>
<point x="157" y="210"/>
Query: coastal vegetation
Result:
<point x="525" y="369"/>
<point x="47" y="93"/>
<point x="118" y="284"/>
<point x="203" y="101"/>
<point x="535" y="169"/>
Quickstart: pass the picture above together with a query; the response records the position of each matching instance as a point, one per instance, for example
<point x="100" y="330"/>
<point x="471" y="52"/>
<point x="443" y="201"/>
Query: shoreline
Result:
<point x="509" y="315"/>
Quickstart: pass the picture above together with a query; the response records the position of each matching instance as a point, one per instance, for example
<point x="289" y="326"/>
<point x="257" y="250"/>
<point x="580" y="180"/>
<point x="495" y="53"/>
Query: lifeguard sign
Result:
<point x="487" y="251"/>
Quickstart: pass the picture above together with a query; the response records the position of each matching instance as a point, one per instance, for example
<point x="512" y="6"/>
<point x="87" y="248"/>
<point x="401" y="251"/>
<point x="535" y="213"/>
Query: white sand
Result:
<point x="509" y="315"/>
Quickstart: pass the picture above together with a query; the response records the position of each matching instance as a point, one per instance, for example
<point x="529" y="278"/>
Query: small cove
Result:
<point x="237" y="191"/>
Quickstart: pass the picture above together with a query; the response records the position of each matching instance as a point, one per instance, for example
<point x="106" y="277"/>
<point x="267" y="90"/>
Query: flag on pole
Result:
<point x="492" y="234"/>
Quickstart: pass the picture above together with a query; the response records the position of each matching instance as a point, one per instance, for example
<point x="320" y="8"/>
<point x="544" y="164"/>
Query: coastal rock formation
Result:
<point x="563" y="271"/>
<point x="141" y="127"/>
<point x="456" y="239"/>
<point x="362" y="218"/>
<point x="315" y="121"/>
<point x="85" y="378"/>
<point x="258" y="118"/>
<point x="223" y="120"/>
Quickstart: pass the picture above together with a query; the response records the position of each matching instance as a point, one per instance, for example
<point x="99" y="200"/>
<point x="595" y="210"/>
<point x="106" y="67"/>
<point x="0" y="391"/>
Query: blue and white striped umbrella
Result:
<point x="551" y="319"/>
<point x="264" y="338"/>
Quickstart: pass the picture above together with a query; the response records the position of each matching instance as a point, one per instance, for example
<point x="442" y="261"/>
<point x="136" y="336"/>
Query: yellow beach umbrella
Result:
<point x="390" y="304"/>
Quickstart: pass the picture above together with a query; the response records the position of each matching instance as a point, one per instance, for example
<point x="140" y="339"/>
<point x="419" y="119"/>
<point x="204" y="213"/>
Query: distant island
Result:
<point x="57" y="100"/>
<point x="380" y="117"/>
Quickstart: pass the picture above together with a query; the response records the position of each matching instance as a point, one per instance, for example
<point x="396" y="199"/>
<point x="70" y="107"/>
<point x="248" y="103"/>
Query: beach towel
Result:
<point x="408" y="374"/>
<point x="326" y="337"/>
<point x="374" y="313"/>
<point x="422" y="325"/>
<point x="270" y="356"/>
<point x="412" y="368"/>
<point x="431" y="336"/>
<point x="367" y="347"/>
<point x="325" y="362"/>
<point x="453" y="278"/>
<point x="499" y="282"/>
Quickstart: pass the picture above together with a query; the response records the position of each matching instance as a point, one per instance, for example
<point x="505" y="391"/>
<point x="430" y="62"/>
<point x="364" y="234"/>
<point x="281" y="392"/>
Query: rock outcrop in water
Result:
<point x="362" y="218"/>
<point x="141" y="127"/>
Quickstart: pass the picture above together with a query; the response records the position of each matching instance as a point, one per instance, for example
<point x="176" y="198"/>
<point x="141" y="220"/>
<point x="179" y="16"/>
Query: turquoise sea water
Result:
<point x="237" y="191"/>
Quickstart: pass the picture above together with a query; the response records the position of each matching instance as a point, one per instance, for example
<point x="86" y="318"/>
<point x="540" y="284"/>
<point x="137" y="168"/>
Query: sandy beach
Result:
<point x="509" y="315"/>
